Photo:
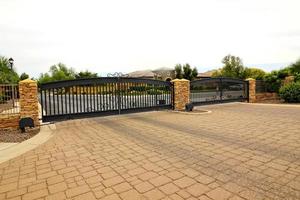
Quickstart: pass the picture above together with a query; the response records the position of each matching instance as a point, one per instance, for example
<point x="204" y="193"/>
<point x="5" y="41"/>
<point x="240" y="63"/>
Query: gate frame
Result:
<point x="220" y="80"/>
<point x="99" y="80"/>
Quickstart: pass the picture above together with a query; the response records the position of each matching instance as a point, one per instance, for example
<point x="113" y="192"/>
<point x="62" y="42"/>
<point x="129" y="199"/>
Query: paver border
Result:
<point x="275" y="105"/>
<point x="46" y="132"/>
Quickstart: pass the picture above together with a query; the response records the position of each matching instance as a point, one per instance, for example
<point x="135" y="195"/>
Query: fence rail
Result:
<point x="261" y="86"/>
<point x="9" y="99"/>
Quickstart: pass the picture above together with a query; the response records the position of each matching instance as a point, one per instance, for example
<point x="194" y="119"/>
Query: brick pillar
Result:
<point x="29" y="100"/>
<point x="181" y="93"/>
<point x="288" y="80"/>
<point x="252" y="90"/>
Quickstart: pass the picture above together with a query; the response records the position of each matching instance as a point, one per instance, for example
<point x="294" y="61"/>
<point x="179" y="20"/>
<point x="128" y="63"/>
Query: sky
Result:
<point x="126" y="35"/>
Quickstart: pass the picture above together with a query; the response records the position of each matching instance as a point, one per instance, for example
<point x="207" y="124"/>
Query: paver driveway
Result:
<point x="238" y="151"/>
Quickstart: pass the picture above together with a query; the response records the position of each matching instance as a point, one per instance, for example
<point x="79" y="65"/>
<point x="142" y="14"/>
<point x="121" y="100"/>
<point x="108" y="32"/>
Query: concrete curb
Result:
<point x="18" y="149"/>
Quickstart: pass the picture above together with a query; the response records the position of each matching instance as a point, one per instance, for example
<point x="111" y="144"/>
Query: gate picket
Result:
<point x="218" y="90"/>
<point x="102" y="96"/>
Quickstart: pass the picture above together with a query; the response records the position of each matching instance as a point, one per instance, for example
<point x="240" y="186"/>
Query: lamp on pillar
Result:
<point x="11" y="62"/>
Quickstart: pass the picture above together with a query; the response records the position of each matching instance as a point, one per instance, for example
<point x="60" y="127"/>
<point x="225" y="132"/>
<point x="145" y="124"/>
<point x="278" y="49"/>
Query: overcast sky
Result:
<point x="126" y="35"/>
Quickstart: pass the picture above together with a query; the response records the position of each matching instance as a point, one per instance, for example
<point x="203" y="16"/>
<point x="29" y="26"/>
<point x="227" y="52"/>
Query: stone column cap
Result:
<point x="28" y="81"/>
<point x="180" y="80"/>
<point x="250" y="79"/>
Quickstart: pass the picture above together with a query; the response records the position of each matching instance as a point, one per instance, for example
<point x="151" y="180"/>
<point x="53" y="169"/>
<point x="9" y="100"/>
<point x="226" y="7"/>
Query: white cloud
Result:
<point x="118" y="35"/>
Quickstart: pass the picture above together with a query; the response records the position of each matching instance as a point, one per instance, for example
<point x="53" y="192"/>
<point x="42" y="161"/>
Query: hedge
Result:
<point x="290" y="93"/>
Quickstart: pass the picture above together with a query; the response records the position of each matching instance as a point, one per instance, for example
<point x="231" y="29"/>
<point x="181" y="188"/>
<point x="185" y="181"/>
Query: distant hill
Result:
<point x="206" y="74"/>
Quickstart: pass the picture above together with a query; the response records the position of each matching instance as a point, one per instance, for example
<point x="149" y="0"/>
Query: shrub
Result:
<point x="154" y="92"/>
<point x="297" y="76"/>
<point x="273" y="82"/>
<point x="138" y="88"/>
<point x="290" y="92"/>
<point x="254" y="73"/>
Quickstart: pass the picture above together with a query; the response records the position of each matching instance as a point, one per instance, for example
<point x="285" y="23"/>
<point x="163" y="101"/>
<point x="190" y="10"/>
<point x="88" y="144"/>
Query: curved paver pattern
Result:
<point x="238" y="151"/>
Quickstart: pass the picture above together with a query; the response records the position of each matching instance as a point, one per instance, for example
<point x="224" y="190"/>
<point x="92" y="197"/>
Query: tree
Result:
<point x="7" y="75"/>
<point x="233" y="67"/>
<point x="295" y="67"/>
<point x="254" y="73"/>
<point x="217" y="73"/>
<point x="185" y="71"/>
<point x="44" y="78"/>
<point x="57" y="72"/>
<point x="273" y="82"/>
<point x="178" y="71"/>
<point x="61" y="72"/>
<point x="86" y="74"/>
<point x="24" y="76"/>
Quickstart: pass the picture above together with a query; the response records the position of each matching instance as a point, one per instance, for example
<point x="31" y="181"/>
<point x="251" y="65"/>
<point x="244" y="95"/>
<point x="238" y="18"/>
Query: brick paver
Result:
<point x="238" y="151"/>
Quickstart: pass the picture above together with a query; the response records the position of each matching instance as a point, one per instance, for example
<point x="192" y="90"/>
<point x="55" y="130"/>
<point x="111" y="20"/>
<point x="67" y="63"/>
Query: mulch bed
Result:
<point x="16" y="135"/>
<point x="194" y="112"/>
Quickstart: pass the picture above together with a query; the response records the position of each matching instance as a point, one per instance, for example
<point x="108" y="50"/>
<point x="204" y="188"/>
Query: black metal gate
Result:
<point x="218" y="90"/>
<point x="102" y="96"/>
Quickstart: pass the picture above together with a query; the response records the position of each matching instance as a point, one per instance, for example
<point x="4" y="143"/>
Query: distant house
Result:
<point x="142" y="74"/>
<point x="166" y="74"/>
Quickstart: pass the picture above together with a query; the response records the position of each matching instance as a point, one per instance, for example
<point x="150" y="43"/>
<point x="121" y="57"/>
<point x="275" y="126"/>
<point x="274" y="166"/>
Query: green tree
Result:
<point x="62" y="72"/>
<point x="57" y="72"/>
<point x="233" y="67"/>
<point x="273" y="82"/>
<point x="282" y="73"/>
<point x="274" y="79"/>
<point x="254" y="73"/>
<point x="186" y="72"/>
<point x="44" y="78"/>
<point x="217" y="73"/>
<point x="7" y="75"/>
<point x="295" y="67"/>
<point x="86" y="74"/>
<point x="24" y="76"/>
<point x="178" y="71"/>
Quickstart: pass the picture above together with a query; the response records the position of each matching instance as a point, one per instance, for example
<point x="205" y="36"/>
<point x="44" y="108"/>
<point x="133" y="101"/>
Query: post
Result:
<point x="13" y="95"/>
<point x="252" y="90"/>
<point x="221" y="89"/>
<point x="119" y="95"/>
<point x="181" y="93"/>
<point x="29" y="100"/>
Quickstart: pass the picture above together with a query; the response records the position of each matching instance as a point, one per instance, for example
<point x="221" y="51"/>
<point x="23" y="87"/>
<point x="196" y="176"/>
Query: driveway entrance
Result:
<point x="239" y="151"/>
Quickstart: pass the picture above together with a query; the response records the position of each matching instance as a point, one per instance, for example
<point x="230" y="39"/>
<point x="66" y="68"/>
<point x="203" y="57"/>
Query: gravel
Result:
<point x="16" y="135"/>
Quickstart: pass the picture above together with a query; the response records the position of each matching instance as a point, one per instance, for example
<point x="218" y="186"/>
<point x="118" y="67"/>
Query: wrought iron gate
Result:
<point x="218" y="90"/>
<point x="102" y="96"/>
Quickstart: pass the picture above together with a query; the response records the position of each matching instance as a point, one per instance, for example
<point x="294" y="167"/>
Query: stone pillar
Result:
<point x="252" y="90"/>
<point x="181" y="93"/>
<point x="288" y="80"/>
<point x="29" y="106"/>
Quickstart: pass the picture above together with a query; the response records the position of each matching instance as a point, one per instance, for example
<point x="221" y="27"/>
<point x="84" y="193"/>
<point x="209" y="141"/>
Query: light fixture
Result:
<point x="11" y="62"/>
